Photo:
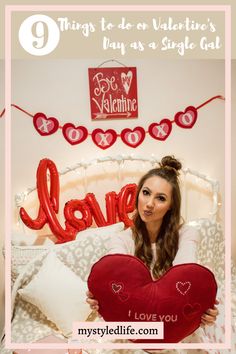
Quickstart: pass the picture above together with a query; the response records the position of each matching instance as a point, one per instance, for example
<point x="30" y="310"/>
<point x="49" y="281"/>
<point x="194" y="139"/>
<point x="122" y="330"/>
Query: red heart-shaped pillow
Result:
<point x="125" y="291"/>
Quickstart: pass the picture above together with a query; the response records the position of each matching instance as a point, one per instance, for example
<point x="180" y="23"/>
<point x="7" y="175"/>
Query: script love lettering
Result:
<point x="118" y="206"/>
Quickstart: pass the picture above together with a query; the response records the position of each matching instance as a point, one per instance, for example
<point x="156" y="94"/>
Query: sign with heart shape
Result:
<point x="113" y="93"/>
<point x="74" y="135"/>
<point x="126" y="292"/>
<point x="44" y="125"/>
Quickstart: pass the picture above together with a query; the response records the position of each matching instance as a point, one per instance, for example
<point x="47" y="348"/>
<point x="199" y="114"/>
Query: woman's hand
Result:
<point x="209" y="317"/>
<point x="91" y="301"/>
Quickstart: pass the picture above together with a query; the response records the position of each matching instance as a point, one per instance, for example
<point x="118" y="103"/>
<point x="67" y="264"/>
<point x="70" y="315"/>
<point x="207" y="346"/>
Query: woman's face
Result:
<point x="154" y="199"/>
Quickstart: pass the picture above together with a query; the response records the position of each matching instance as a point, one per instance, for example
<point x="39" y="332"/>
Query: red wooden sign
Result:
<point x="113" y="93"/>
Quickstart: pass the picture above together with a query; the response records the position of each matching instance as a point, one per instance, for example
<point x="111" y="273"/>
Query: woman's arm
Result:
<point x="187" y="253"/>
<point x="121" y="243"/>
<point x="189" y="238"/>
<point x="91" y="301"/>
<point x="209" y="317"/>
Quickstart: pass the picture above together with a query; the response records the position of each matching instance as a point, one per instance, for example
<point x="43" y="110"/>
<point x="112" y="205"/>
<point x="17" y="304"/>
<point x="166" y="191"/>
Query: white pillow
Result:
<point x="102" y="231"/>
<point x="29" y="238"/>
<point x="89" y="246"/>
<point x="21" y="256"/>
<point x="59" y="293"/>
<point x="210" y="251"/>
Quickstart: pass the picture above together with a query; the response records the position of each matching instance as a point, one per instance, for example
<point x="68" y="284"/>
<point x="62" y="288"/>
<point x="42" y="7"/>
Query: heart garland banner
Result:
<point x="134" y="137"/>
<point x="44" y="125"/>
<point x="74" y="135"/>
<point x="104" y="139"/>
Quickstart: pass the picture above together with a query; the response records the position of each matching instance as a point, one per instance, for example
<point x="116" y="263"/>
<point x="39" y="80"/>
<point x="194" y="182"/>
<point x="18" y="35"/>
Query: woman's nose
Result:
<point x="150" y="203"/>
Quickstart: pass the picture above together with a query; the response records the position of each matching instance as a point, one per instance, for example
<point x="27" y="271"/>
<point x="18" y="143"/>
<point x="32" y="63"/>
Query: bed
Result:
<point x="31" y="249"/>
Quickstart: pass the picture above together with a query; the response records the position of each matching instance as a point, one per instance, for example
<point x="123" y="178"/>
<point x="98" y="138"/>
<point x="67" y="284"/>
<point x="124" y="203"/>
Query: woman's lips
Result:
<point x="147" y="212"/>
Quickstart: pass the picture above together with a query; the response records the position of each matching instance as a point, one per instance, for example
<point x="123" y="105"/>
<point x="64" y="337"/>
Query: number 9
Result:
<point x="38" y="32"/>
<point x="39" y="35"/>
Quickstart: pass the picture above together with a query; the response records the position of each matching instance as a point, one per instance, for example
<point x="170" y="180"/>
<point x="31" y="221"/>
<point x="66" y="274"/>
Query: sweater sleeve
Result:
<point x="188" y="241"/>
<point x="122" y="243"/>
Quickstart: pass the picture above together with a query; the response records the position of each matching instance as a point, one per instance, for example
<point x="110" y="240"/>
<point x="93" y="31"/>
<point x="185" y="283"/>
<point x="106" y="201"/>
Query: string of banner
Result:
<point x="106" y="138"/>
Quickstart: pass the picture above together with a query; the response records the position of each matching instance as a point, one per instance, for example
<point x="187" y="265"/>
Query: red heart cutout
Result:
<point x="44" y="125"/>
<point x="104" y="139"/>
<point x="74" y="135"/>
<point x="187" y="118"/>
<point x="116" y="287"/>
<point x="133" y="137"/>
<point x="123" y="296"/>
<point x="191" y="311"/>
<point x="160" y="131"/>
<point x="183" y="288"/>
<point x="148" y="300"/>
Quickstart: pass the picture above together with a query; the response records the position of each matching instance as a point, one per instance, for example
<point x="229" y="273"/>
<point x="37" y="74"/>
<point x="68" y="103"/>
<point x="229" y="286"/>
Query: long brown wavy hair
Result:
<point x="168" y="236"/>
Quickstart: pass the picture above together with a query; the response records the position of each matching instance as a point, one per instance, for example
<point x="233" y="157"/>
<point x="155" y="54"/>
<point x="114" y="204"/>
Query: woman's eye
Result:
<point x="161" y="198"/>
<point x="145" y="192"/>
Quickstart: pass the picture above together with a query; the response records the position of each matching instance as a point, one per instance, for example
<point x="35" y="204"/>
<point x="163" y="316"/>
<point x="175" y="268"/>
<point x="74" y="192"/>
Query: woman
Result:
<point x="158" y="237"/>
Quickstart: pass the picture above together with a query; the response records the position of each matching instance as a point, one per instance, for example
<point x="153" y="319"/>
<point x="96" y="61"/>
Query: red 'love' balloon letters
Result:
<point x="118" y="206"/>
<point x="49" y="204"/>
